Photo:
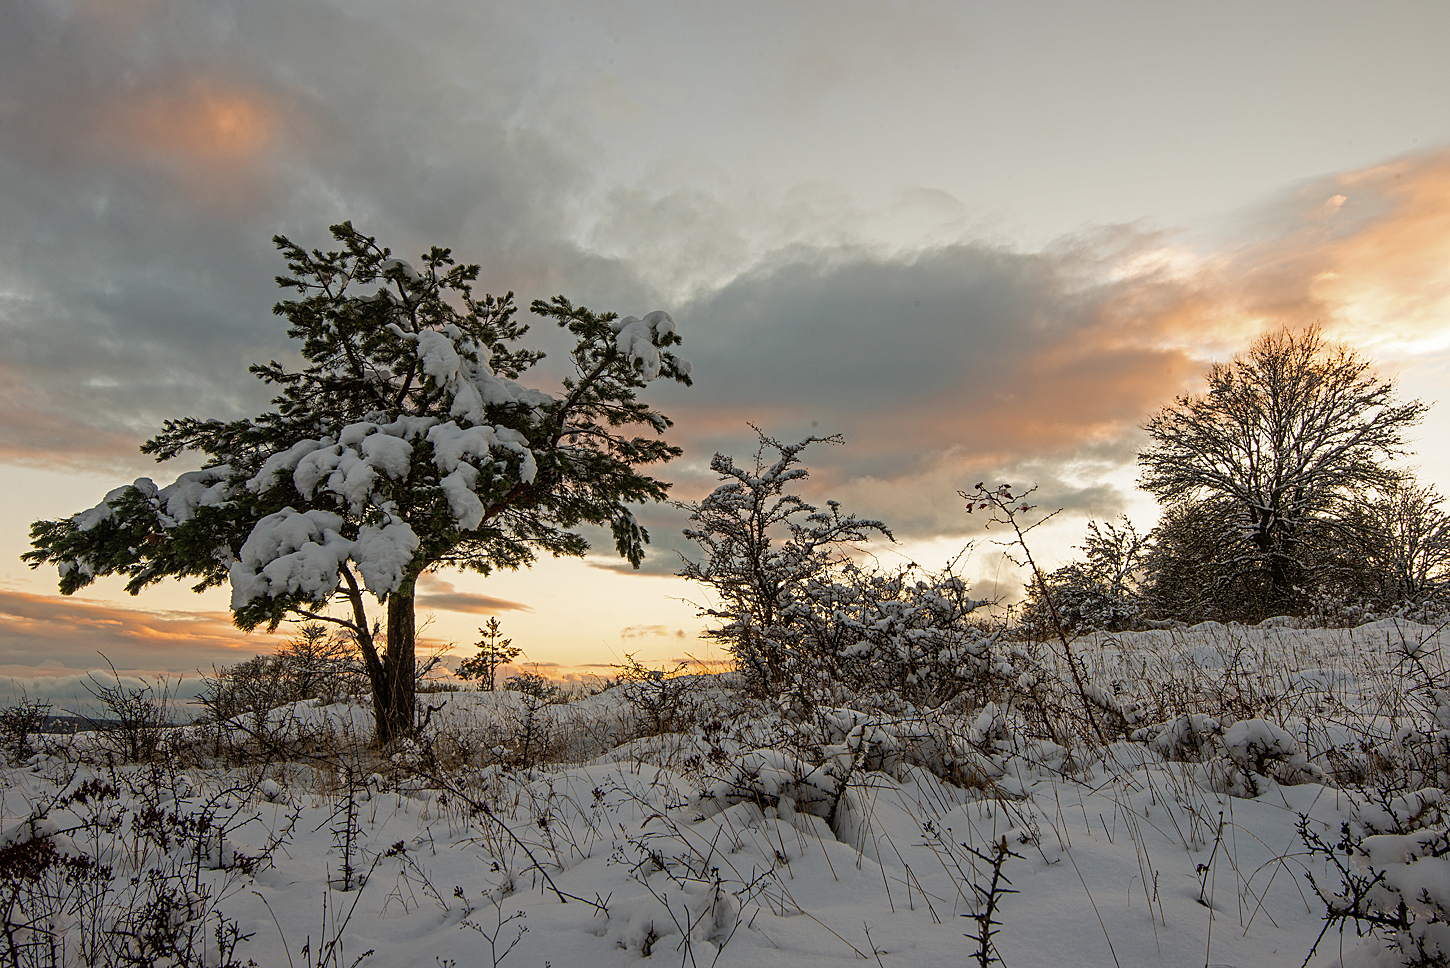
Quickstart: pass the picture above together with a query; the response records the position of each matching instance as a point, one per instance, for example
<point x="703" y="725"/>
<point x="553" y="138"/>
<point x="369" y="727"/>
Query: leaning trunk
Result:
<point x="393" y="690"/>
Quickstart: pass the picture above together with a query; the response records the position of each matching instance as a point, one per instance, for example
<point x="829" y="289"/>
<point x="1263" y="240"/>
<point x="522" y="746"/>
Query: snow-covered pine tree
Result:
<point x="403" y="443"/>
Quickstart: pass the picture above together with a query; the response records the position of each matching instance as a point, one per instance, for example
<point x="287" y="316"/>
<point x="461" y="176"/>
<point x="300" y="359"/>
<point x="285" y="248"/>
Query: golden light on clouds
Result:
<point x="73" y="630"/>
<point x="1365" y="255"/>
<point x="1390" y="278"/>
<point x="198" y="122"/>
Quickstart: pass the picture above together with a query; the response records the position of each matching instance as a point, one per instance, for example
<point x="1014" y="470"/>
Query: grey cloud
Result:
<point x="437" y="593"/>
<point x="939" y="368"/>
<point x="149" y="157"/>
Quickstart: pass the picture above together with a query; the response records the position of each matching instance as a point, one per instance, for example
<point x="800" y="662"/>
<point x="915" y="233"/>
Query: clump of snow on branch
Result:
<point x="351" y="466"/>
<point x="290" y="552"/>
<point x="462" y="368"/>
<point x="639" y="339"/>
<point x="175" y="504"/>
<point x="382" y="554"/>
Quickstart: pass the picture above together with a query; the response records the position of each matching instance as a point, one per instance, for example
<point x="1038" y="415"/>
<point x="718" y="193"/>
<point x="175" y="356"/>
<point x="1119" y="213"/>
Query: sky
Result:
<point x="980" y="241"/>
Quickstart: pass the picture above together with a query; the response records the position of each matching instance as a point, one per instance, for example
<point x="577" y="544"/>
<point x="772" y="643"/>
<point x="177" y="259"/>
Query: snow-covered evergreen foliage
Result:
<point x="404" y="442"/>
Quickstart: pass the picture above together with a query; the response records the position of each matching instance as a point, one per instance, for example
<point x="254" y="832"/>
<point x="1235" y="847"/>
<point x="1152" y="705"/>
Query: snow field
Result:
<point x="752" y="838"/>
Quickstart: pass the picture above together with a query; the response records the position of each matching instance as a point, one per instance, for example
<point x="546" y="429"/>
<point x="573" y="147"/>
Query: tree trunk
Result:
<point x="1276" y="546"/>
<point x="393" y="691"/>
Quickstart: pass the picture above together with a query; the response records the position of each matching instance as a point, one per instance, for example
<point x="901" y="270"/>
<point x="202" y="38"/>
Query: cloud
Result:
<point x="651" y="631"/>
<point x="436" y="593"/>
<point x="151" y="151"/>
<point x="71" y="631"/>
<point x="1365" y="253"/>
<point x="938" y="367"/>
<point x="968" y="361"/>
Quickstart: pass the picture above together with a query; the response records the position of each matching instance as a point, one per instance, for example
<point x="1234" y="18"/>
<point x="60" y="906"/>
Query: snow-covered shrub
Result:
<point x="905" y="634"/>
<point x="698" y="910"/>
<point x="1257" y="744"/>
<point x="314" y="664"/>
<point x="763" y="548"/>
<point x="1393" y="861"/>
<point x="805" y="620"/>
<point x="534" y="733"/>
<point x="128" y="873"/>
<point x="769" y="777"/>
<point x="1098" y="593"/>
<point x="1235" y="759"/>
<point x="1258" y="748"/>
<point x="532" y="685"/>
<point x="663" y="700"/>
<point x="1187" y="738"/>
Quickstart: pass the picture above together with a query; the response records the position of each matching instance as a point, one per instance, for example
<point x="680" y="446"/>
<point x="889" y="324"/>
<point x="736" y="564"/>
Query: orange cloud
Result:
<point x="210" y="137"/>
<point x="1365" y="254"/>
<point x="197" y="120"/>
<point x="71" y="631"/>
<point x="1389" y="278"/>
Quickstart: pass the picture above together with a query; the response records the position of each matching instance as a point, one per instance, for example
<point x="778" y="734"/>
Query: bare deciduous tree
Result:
<point x="1400" y="538"/>
<point x="1280" y="433"/>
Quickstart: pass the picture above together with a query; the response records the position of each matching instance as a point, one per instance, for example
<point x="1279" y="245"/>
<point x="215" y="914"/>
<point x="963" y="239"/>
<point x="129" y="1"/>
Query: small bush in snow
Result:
<point x="1391" y="858"/>
<point x="134" y="719"/>
<point x="762" y="549"/>
<point x="804" y="620"/>
<point x="663" y="700"/>
<point x="20" y="724"/>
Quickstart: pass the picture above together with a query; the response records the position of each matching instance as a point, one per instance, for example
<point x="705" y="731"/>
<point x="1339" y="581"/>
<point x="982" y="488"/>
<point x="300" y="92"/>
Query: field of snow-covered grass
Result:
<point x="1166" y="819"/>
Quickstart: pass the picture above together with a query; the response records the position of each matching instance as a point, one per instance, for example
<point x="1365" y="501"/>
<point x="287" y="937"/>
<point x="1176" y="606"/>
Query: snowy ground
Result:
<point x="747" y="839"/>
